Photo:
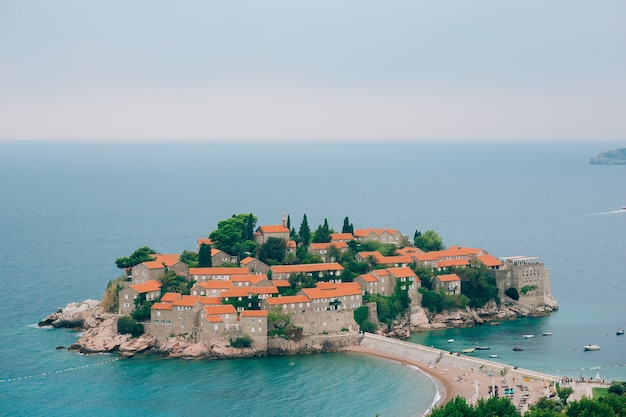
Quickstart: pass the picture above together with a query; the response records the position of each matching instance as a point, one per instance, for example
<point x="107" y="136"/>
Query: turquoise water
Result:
<point x="67" y="211"/>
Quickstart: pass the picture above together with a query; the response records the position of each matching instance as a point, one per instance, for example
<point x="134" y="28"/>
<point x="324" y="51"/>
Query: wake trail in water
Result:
<point x="74" y="368"/>
<point x="604" y="213"/>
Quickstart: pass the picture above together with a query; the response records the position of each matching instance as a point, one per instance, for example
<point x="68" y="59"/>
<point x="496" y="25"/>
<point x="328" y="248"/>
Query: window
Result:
<point x="158" y="314"/>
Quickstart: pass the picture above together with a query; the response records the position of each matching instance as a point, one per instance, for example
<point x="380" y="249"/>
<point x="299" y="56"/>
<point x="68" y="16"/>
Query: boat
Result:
<point x="591" y="347"/>
<point x="546" y="334"/>
<point x="517" y="349"/>
<point x="528" y="336"/>
<point x="470" y="350"/>
<point x="619" y="331"/>
<point x="482" y="347"/>
<point x="495" y="355"/>
<point x="450" y="340"/>
<point x="495" y="323"/>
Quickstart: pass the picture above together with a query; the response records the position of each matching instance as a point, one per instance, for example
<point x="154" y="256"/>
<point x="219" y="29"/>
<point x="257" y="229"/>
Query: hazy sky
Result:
<point x="296" y="70"/>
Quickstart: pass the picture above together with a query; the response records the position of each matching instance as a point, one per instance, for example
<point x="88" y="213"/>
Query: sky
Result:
<point x="304" y="70"/>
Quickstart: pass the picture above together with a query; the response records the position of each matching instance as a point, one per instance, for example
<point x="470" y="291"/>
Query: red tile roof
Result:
<point x="186" y="300"/>
<point x="204" y="240"/>
<point x="170" y="297"/>
<point x="218" y="271"/>
<point x="489" y="260"/>
<point x="279" y="228"/>
<point x="368" y="278"/>
<point x="281" y="283"/>
<point x="274" y="301"/>
<point x="341" y="236"/>
<point x="294" y="269"/>
<point x="254" y="313"/>
<point x="365" y="232"/>
<point x="448" y="278"/>
<point x="167" y="259"/>
<point x="321" y="246"/>
<point x="214" y="319"/>
<point x="148" y="286"/>
<point x="161" y="306"/>
<point x="216" y="284"/>
<point x="401" y="272"/>
<point x="221" y="309"/>
<point x="337" y="291"/>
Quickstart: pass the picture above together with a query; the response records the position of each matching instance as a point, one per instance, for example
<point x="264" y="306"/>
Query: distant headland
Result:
<point x="614" y="157"/>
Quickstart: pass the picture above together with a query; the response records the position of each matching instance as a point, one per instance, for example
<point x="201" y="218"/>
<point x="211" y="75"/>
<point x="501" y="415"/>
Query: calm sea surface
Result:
<point x="67" y="211"/>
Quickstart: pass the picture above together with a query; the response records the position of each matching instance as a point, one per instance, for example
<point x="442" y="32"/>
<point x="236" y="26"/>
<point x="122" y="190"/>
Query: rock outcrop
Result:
<point x="71" y="316"/>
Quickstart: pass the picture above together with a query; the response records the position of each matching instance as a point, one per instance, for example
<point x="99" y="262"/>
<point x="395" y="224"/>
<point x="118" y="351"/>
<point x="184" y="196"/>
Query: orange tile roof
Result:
<point x="281" y="283"/>
<point x="375" y="254"/>
<point x="218" y="271"/>
<point x="254" y="313"/>
<point x="341" y="236"/>
<point x="187" y="300"/>
<point x="154" y="265"/>
<point x="148" y="286"/>
<point x="448" y="278"/>
<point x="274" y="301"/>
<point x="409" y="250"/>
<point x="214" y="319"/>
<point x="368" y="278"/>
<point x="161" y="306"/>
<point x="402" y="272"/>
<point x="381" y="272"/>
<point x="204" y="240"/>
<point x="167" y="259"/>
<point x="452" y="262"/>
<point x="489" y="260"/>
<point x="321" y="246"/>
<point x="284" y="269"/>
<point x="291" y="244"/>
<point x="237" y="292"/>
<point x="210" y="301"/>
<point x="221" y="309"/>
<point x="279" y="228"/>
<point x="216" y="284"/>
<point x="338" y="291"/>
<point x="247" y="260"/>
<point x="365" y="232"/>
<point x="170" y="297"/>
<point x="400" y="259"/>
<point x="252" y="279"/>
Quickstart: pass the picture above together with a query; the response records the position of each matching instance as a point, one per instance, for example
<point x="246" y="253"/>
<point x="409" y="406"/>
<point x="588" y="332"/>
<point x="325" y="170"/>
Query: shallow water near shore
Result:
<point x="67" y="211"/>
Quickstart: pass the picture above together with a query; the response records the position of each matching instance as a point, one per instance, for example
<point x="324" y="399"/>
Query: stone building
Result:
<point x="529" y="277"/>
<point x="150" y="290"/>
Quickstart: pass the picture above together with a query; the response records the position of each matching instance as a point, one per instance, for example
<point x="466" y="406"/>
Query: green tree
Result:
<point x="478" y="284"/>
<point x="586" y="407"/>
<point x="564" y="393"/>
<point x="428" y="241"/>
<point x="142" y="254"/>
<point x="189" y="258"/>
<point x="127" y="324"/>
<point x="172" y="282"/>
<point x="616" y="388"/>
<point x="457" y="407"/>
<point x="273" y="251"/>
<point x="204" y="256"/>
<point x="305" y="231"/>
<point x="347" y="227"/>
<point x="432" y="300"/>
<point x="277" y="319"/>
<point x="496" y="407"/>
<point x="249" y="228"/>
<point x="230" y="235"/>
<point x="322" y="233"/>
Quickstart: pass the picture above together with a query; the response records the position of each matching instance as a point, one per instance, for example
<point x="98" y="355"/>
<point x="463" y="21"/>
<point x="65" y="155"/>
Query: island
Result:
<point x="613" y="157"/>
<point x="269" y="290"/>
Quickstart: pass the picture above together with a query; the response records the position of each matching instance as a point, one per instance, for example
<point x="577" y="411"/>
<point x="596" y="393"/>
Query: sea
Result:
<point x="69" y="209"/>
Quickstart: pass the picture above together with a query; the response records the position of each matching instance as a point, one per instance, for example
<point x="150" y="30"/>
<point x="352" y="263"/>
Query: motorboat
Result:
<point x="470" y="350"/>
<point x="591" y="347"/>
<point x="517" y="349"/>
<point x="482" y="347"/>
<point x="450" y="340"/>
<point x="495" y="355"/>
<point x="546" y="334"/>
<point x="528" y="336"/>
<point x="619" y="331"/>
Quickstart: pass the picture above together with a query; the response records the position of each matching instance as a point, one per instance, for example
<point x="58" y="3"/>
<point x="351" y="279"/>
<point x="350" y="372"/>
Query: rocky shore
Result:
<point x="100" y="331"/>
<point x="100" y="336"/>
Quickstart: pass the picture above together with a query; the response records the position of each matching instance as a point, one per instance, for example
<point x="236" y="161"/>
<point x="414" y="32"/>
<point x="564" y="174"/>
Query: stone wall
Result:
<point x="312" y="343"/>
<point x="441" y="357"/>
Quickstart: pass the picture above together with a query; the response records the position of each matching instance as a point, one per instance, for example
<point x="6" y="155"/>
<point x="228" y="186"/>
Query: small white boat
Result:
<point x="546" y="334"/>
<point x="494" y="356"/>
<point x="591" y="347"/>
<point x="619" y="331"/>
<point x="450" y="340"/>
<point x="470" y="350"/>
<point x="482" y="347"/>
<point x="528" y="336"/>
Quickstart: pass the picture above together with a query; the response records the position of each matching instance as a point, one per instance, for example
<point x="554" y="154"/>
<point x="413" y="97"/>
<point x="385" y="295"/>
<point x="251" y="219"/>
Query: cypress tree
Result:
<point x="204" y="256"/>
<point x="305" y="231"/>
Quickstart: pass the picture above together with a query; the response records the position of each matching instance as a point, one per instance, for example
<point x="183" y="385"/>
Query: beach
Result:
<point x="473" y="384"/>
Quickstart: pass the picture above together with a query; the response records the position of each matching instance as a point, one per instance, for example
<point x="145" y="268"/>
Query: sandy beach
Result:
<point x="471" y="385"/>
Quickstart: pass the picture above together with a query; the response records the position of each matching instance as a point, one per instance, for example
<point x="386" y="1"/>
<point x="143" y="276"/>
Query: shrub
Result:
<point x="361" y="314"/>
<point x="242" y="342"/>
<point x="127" y="324"/>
